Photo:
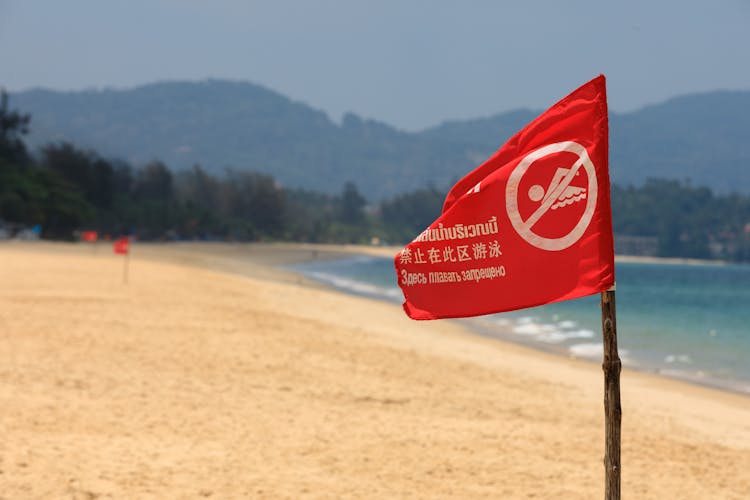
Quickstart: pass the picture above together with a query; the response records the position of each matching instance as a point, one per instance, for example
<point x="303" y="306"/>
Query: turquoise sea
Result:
<point x="686" y="321"/>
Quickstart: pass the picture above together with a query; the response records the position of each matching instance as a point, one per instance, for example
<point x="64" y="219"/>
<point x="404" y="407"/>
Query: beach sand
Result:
<point x="212" y="374"/>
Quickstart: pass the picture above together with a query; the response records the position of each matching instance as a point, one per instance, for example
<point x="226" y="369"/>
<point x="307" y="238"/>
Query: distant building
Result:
<point x="9" y="230"/>
<point x="646" y="246"/>
<point x="27" y="234"/>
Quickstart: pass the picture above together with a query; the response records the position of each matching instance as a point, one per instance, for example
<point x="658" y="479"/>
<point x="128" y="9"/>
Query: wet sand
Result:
<point x="214" y="374"/>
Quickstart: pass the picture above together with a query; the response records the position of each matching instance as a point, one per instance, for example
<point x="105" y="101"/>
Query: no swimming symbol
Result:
<point x="559" y="194"/>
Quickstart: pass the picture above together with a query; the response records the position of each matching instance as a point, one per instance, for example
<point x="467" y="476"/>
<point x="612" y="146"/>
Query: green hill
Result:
<point x="220" y="124"/>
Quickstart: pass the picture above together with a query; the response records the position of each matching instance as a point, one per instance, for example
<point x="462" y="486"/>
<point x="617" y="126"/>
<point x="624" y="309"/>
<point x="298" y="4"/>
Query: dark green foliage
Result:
<point x="41" y="196"/>
<point x="256" y="203"/>
<point x="309" y="214"/>
<point x="62" y="204"/>
<point x="13" y="126"/>
<point x="687" y="221"/>
<point x="20" y="195"/>
<point x="406" y="215"/>
<point x="33" y="194"/>
<point x="351" y="205"/>
<point x="153" y="183"/>
<point x="319" y="218"/>
<point x="84" y="169"/>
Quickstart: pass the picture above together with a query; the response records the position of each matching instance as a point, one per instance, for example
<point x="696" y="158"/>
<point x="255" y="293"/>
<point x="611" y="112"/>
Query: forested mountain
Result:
<point x="703" y="138"/>
<point x="219" y="124"/>
<point x="62" y="190"/>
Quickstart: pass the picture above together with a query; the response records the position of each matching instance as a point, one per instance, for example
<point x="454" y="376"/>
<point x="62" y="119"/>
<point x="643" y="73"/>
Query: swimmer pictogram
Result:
<point x="570" y="195"/>
<point x="558" y="195"/>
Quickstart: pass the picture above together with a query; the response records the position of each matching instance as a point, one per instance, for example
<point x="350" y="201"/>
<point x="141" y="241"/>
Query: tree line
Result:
<point x="64" y="189"/>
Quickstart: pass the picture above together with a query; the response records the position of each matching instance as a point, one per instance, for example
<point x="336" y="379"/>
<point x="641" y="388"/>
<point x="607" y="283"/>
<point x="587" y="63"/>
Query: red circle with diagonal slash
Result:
<point x="551" y="195"/>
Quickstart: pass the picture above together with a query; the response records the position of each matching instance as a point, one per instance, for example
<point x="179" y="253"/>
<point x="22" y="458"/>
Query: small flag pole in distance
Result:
<point x="532" y="225"/>
<point x="122" y="246"/>
<point x="91" y="237"/>
<point x="125" y="269"/>
<point x="611" y="365"/>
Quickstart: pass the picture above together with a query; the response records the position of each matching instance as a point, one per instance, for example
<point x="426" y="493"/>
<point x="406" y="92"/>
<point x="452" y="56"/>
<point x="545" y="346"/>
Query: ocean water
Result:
<point x="686" y="321"/>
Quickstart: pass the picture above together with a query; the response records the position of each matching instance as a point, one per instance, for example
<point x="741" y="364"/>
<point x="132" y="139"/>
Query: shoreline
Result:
<point x="504" y="334"/>
<point x="213" y="374"/>
<point x="275" y="262"/>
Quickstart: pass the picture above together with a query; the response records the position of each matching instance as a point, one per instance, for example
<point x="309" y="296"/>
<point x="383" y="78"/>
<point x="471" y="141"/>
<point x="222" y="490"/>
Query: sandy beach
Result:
<point x="213" y="374"/>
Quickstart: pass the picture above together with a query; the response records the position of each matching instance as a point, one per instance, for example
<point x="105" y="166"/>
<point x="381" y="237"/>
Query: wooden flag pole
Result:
<point x="125" y="269"/>
<point x="612" y="410"/>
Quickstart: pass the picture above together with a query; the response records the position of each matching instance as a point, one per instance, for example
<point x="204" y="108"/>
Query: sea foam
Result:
<point x="551" y="333"/>
<point x="355" y="286"/>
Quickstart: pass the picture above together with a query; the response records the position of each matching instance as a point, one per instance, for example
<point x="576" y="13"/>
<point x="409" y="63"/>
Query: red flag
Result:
<point x="529" y="226"/>
<point x="121" y="245"/>
<point x="90" y="236"/>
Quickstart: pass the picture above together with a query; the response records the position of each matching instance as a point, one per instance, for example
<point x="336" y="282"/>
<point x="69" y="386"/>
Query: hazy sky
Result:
<point x="409" y="63"/>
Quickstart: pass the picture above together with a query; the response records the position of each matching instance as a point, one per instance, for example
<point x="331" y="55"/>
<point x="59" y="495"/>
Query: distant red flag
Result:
<point x="90" y="236"/>
<point x="529" y="226"/>
<point x="121" y="246"/>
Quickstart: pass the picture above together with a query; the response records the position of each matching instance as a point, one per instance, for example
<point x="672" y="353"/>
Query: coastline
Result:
<point x="275" y="262"/>
<point x="504" y="330"/>
<point x="213" y="373"/>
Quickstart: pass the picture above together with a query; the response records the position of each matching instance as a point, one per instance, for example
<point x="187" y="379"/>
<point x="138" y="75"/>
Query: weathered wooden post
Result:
<point x="612" y="411"/>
